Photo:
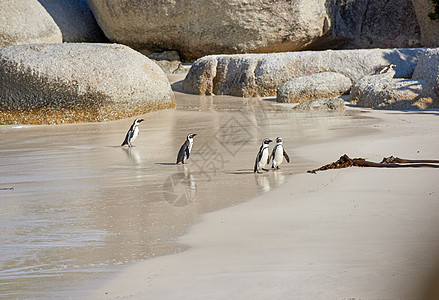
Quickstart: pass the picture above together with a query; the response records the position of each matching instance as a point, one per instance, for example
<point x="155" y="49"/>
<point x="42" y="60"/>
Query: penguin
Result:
<point x="132" y="133"/>
<point x="278" y="154"/>
<point x="185" y="149"/>
<point x="385" y="69"/>
<point x="263" y="156"/>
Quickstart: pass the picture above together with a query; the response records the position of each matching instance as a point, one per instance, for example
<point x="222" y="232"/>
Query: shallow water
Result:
<point x="82" y="206"/>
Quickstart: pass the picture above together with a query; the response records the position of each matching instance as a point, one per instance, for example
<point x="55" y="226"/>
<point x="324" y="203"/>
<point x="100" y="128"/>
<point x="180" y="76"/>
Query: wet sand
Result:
<point x="82" y="208"/>
<point x="357" y="233"/>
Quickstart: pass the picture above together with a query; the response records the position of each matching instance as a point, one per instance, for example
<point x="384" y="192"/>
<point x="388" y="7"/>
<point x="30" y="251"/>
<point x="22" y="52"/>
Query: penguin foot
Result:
<point x="266" y="170"/>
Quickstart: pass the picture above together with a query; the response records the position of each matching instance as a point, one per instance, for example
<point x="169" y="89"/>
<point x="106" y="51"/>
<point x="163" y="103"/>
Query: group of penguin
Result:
<point x="262" y="159"/>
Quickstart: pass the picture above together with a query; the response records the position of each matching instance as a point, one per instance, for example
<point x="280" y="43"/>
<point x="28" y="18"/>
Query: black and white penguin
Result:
<point x="385" y="69"/>
<point x="186" y="148"/>
<point x="262" y="157"/>
<point x="278" y="154"/>
<point x="132" y="133"/>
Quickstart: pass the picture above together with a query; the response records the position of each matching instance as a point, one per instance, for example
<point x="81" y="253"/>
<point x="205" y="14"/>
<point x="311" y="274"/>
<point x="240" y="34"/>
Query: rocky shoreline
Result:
<point x="86" y="61"/>
<point x="296" y="77"/>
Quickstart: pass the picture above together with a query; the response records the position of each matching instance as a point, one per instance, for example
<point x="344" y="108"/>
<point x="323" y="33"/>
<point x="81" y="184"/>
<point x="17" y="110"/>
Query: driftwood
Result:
<point x="387" y="162"/>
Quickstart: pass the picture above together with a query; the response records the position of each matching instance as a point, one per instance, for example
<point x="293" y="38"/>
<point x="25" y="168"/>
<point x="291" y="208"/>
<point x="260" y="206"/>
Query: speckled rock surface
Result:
<point x="319" y="85"/>
<point x="26" y="22"/>
<point x="58" y="83"/>
<point x="322" y="104"/>
<point x="202" y="27"/>
<point x="428" y="67"/>
<point x="366" y="82"/>
<point x="261" y="74"/>
<point x="429" y="28"/>
<point x="397" y="93"/>
<point x="374" y="24"/>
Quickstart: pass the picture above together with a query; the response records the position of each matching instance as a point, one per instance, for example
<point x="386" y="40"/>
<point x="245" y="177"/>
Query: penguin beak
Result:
<point x="141" y="120"/>
<point x="269" y="141"/>
<point x="194" y="134"/>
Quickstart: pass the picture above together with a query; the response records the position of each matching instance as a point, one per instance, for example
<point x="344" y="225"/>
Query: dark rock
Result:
<point x="75" y="20"/>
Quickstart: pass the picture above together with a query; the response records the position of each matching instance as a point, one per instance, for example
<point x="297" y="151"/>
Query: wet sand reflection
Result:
<point x="81" y="206"/>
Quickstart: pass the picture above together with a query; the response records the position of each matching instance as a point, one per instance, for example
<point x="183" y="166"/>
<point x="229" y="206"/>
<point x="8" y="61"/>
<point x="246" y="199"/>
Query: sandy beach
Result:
<point x="82" y="208"/>
<point x="89" y="219"/>
<point x="99" y="100"/>
<point x="356" y="233"/>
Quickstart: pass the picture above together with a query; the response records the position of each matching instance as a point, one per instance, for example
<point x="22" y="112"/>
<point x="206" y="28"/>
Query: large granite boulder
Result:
<point x="322" y="104"/>
<point x="198" y="28"/>
<point x="429" y="28"/>
<point x="26" y="22"/>
<point x="74" y="82"/>
<point x="397" y="93"/>
<point x="428" y="67"/>
<point x="261" y="74"/>
<point x="319" y="85"/>
<point x="368" y="82"/>
<point x="372" y="24"/>
<point x="75" y="20"/>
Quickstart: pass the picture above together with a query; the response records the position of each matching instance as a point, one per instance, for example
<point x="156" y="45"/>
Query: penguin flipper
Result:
<point x="180" y="155"/>
<point x="258" y="158"/>
<point x="286" y="156"/>
<point x="127" y="139"/>
<point x="182" y="152"/>
<point x="271" y="156"/>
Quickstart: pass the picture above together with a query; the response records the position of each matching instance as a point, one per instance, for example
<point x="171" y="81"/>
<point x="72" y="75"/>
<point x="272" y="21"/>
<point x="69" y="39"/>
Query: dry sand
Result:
<point x="357" y="233"/>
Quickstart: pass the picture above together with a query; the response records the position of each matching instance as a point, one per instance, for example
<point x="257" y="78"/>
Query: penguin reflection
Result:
<point x="278" y="179"/>
<point x="183" y="185"/>
<point x="191" y="184"/>
<point x="133" y="155"/>
<point x="265" y="182"/>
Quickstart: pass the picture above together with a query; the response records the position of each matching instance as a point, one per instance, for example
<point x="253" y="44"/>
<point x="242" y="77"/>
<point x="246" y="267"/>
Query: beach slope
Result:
<point x="356" y="233"/>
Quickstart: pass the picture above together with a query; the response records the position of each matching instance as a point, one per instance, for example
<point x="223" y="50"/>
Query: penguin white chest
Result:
<point x="135" y="133"/>
<point x="264" y="157"/>
<point x="191" y="142"/>
<point x="278" y="155"/>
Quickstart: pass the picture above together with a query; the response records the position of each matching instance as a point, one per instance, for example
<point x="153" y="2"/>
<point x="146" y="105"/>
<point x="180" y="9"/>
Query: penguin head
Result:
<point x="266" y="141"/>
<point x="138" y="120"/>
<point x="278" y="140"/>
<point x="191" y="135"/>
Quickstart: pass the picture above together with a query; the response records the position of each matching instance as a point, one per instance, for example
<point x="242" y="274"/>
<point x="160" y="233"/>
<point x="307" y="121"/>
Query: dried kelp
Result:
<point x="388" y="162"/>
